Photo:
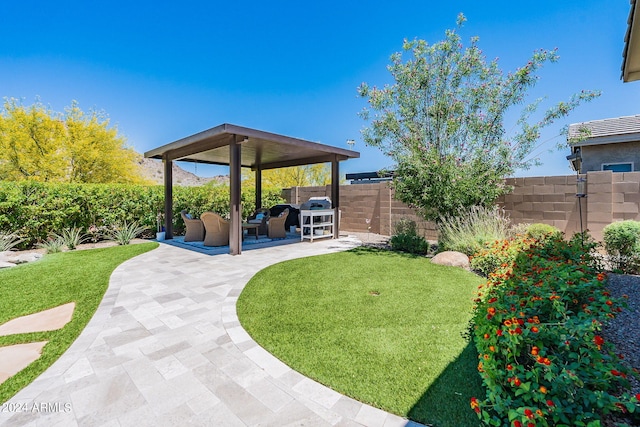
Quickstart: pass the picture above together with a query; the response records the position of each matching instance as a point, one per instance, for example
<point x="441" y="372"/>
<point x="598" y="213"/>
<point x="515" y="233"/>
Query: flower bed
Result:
<point x="543" y="360"/>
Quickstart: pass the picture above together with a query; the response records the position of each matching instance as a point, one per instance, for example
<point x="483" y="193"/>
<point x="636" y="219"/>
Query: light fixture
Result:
<point x="575" y="160"/>
<point x="581" y="187"/>
<point x="351" y="143"/>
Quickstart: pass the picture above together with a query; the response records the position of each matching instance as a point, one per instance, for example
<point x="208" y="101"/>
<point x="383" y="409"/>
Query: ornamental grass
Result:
<point x="542" y="358"/>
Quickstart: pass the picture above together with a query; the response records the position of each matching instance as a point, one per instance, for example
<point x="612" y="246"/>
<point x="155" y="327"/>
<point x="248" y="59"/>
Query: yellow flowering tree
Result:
<point x="39" y="144"/>
<point x="296" y="176"/>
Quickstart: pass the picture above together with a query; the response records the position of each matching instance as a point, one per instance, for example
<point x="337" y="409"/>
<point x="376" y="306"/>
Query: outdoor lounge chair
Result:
<point x="194" y="228"/>
<point x="275" y="226"/>
<point x="216" y="229"/>
<point x="260" y="216"/>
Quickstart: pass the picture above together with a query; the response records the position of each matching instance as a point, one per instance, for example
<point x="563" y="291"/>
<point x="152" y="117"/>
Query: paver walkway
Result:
<point x="165" y="348"/>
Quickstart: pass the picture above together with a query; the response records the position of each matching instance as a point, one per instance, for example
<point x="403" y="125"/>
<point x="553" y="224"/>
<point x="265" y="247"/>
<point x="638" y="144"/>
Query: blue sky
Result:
<point x="165" y="70"/>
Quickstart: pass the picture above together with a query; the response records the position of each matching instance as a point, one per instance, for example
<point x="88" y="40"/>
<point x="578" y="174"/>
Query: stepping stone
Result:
<point x="14" y="358"/>
<point x="48" y="320"/>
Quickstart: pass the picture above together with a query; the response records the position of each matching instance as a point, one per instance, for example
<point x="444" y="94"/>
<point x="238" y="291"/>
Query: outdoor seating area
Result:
<point x="212" y="230"/>
<point x="249" y="243"/>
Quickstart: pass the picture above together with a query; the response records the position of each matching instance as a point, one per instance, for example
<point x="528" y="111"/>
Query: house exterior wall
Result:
<point x="551" y="200"/>
<point x="593" y="156"/>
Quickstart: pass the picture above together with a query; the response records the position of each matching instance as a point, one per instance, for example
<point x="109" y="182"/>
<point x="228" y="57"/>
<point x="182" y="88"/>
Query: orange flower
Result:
<point x="474" y="403"/>
<point x="598" y="340"/>
<point x="535" y="350"/>
<point x="601" y="276"/>
<point x="534" y="330"/>
<point x="543" y="389"/>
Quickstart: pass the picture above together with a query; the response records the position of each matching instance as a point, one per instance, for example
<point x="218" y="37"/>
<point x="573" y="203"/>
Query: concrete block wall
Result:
<point x="626" y="196"/>
<point x="550" y="200"/>
<point x="365" y="207"/>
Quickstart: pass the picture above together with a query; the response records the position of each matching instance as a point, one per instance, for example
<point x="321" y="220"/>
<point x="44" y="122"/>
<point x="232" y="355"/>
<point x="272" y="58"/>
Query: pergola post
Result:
<point x="335" y="196"/>
<point x="258" y="187"/>
<point x="168" y="197"/>
<point x="235" y="237"/>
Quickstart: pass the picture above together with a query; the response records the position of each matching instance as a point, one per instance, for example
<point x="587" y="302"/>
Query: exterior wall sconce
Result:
<point x="575" y="160"/>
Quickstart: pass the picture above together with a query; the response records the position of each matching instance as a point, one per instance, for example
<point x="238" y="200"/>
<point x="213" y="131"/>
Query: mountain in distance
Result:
<point x="153" y="170"/>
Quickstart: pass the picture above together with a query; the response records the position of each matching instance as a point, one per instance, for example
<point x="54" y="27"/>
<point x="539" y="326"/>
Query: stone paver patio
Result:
<point x="165" y="348"/>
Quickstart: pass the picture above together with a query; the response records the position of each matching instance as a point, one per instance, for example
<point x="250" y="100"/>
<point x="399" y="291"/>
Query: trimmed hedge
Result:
<point x="32" y="210"/>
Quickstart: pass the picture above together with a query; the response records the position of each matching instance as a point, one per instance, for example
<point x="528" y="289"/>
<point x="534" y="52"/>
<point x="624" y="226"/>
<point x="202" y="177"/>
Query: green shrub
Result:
<point x="33" y="209"/>
<point x="406" y="238"/>
<point x="537" y="331"/>
<point x="622" y="243"/>
<point x="540" y="231"/>
<point x="471" y="231"/>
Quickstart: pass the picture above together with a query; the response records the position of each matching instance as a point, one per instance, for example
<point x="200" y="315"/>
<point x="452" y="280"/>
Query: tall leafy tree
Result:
<point x="39" y="144"/>
<point x="443" y="122"/>
<point x="295" y="176"/>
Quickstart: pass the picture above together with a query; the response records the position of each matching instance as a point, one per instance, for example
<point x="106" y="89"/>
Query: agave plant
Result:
<point x="123" y="233"/>
<point x="53" y="245"/>
<point x="71" y="237"/>
<point x="8" y="241"/>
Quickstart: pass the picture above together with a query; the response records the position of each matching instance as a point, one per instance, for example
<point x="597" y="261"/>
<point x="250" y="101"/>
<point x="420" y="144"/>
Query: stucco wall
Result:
<point x="593" y="156"/>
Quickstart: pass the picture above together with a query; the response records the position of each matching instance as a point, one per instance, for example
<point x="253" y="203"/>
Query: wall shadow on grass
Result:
<point x="446" y="402"/>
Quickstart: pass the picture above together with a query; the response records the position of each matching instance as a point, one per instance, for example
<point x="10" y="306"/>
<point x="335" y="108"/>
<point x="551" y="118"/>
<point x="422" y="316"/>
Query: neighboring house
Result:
<point x="609" y="144"/>
<point x="631" y="53"/>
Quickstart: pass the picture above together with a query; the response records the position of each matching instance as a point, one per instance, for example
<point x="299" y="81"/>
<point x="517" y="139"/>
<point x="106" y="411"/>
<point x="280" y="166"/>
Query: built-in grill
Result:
<point x="315" y="203"/>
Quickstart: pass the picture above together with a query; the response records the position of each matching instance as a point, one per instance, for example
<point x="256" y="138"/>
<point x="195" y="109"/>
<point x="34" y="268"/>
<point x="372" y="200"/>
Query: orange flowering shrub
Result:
<point x="543" y="360"/>
<point x="500" y="254"/>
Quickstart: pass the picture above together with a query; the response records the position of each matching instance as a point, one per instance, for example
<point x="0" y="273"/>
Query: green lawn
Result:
<point x="80" y="276"/>
<point x="385" y="328"/>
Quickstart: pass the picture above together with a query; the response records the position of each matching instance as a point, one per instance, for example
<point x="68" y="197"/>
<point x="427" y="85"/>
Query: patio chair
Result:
<point x="194" y="228"/>
<point x="276" y="224"/>
<point x="260" y="216"/>
<point x="216" y="229"/>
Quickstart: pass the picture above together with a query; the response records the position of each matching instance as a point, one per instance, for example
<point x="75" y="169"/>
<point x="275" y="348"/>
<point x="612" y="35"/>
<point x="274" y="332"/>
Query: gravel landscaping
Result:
<point x="623" y="331"/>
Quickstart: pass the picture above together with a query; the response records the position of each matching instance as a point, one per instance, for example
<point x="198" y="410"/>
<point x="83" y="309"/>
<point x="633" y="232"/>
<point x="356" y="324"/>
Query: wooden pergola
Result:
<point x="238" y="147"/>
